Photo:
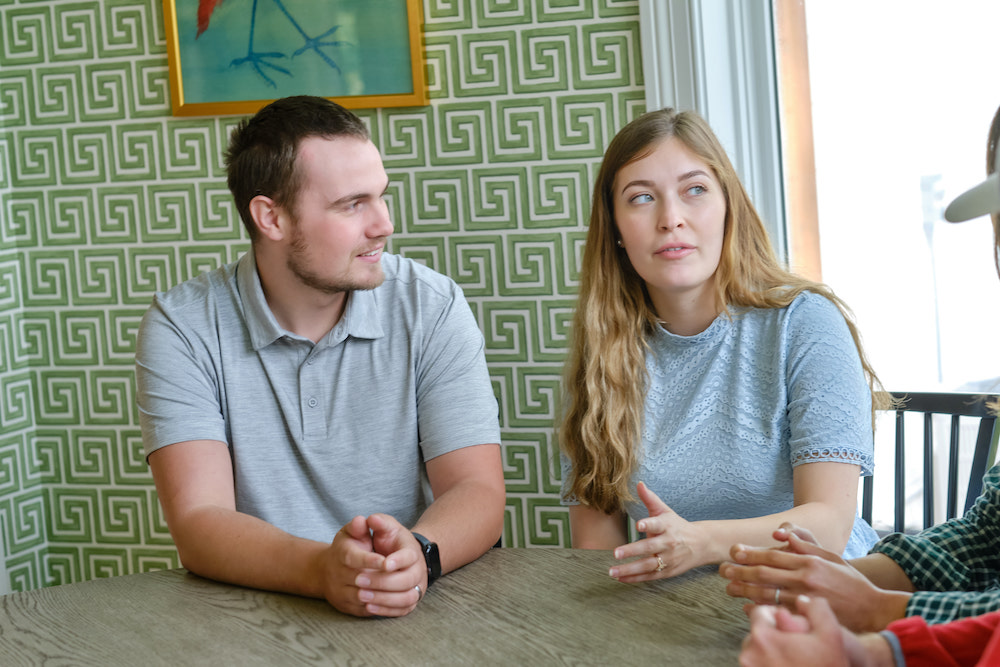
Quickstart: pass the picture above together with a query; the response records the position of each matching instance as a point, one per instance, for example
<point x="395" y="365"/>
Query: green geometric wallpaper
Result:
<point x="105" y="198"/>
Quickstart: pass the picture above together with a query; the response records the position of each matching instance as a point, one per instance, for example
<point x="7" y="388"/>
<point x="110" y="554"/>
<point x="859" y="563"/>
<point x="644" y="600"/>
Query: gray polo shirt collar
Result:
<point x="360" y="318"/>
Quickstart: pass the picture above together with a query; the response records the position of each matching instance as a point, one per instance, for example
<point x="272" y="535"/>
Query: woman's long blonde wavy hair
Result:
<point x="605" y="378"/>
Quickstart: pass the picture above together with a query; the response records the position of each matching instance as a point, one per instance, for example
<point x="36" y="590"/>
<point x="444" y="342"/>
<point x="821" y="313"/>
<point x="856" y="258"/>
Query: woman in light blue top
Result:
<point x="710" y="394"/>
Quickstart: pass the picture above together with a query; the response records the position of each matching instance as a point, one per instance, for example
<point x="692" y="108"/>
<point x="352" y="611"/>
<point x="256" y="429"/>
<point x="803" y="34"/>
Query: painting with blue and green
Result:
<point x="240" y="50"/>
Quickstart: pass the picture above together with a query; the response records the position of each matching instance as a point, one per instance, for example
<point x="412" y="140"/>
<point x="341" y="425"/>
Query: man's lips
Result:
<point x="372" y="253"/>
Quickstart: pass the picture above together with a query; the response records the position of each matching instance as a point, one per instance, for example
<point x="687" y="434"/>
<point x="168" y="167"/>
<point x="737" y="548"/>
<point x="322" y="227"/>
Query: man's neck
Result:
<point x="298" y="308"/>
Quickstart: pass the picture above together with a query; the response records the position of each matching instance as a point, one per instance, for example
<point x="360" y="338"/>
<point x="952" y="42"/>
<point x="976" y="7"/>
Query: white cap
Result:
<point x="984" y="199"/>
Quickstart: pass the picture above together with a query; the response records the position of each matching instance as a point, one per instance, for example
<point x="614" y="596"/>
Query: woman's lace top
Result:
<point x="731" y="411"/>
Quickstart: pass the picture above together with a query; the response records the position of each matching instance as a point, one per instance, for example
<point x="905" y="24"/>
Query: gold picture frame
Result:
<point x="234" y="57"/>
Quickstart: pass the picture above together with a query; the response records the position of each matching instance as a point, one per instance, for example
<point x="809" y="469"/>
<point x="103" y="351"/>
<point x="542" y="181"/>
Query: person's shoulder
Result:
<point x="808" y="312"/>
<point x="809" y="303"/>
<point x="408" y="273"/>
<point x="199" y="289"/>
<point x="813" y="314"/>
<point x="805" y="305"/>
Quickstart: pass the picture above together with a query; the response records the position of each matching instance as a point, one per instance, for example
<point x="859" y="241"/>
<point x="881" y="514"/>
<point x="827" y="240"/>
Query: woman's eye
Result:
<point x="696" y="189"/>
<point x="641" y="199"/>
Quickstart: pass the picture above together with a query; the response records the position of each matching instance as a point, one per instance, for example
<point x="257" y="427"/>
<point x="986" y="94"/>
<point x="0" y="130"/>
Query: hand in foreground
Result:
<point x="671" y="546"/>
<point x="779" y="575"/>
<point x="373" y="568"/>
<point x="787" y="529"/>
<point x="813" y="639"/>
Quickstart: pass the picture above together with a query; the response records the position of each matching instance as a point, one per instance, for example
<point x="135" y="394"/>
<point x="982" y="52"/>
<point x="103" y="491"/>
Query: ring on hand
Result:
<point x="777" y="596"/>
<point x="660" y="565"/>
<point x="420" y="593"/>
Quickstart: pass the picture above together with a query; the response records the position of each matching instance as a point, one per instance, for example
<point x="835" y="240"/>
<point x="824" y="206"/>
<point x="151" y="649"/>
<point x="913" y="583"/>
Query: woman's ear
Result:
<point x="268" y="217"/>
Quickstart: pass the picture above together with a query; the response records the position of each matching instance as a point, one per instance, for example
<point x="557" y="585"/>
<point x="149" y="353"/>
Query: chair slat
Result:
<point x="928" y="472"/>
<point x="952" y="469"/>
<point x="957" y="405"/>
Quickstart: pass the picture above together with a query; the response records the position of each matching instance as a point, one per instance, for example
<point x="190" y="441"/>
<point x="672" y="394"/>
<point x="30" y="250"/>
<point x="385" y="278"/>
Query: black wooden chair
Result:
<point x="957" y="405"/>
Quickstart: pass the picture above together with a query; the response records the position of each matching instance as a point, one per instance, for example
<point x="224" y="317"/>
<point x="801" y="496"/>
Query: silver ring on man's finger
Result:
<point x="420" y="593"/>
<point x="777" y="596"/>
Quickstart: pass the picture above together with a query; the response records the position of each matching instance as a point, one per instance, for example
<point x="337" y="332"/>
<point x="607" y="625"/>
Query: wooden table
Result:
<point x="511" y="607"/>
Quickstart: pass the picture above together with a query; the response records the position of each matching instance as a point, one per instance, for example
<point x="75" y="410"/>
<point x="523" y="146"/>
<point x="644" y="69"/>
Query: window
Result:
<point x="902" y="96"/>
<point x="902" y="99"/>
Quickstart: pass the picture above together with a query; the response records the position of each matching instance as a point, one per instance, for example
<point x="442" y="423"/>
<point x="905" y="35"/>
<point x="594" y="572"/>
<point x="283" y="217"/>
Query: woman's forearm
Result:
<point x="830" y="525"/>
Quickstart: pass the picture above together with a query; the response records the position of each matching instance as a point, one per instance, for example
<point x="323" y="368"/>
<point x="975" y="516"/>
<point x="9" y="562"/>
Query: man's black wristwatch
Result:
<point x="431" y="558"/>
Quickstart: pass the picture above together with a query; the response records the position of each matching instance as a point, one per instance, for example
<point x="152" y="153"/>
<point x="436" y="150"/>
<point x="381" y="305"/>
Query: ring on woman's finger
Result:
<point x="660" y="565"/>
<point x="420" y="593"/>
<point x="777" y="596"/>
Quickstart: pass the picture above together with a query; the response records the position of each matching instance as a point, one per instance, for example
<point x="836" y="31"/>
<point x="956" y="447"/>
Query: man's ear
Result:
<point x="269" y="217"/>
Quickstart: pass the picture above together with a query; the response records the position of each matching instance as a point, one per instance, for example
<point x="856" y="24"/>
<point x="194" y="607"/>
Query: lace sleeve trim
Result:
<point x="835" y="455"/>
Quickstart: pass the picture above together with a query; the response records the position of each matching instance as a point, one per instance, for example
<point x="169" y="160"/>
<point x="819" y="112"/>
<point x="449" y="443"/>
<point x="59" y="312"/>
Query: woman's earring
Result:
<point x="620" y="244"/>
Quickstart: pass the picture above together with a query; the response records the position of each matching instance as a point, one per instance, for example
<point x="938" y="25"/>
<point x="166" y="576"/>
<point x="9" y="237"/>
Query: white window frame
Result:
<point x="717" y="57"/>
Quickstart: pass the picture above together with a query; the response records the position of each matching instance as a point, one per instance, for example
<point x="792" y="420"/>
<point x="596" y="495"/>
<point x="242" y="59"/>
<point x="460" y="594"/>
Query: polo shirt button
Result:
<point x="313" y="402"/>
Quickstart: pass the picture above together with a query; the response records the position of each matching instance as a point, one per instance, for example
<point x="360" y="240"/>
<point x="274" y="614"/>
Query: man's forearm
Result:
<point x="884" y="572"/>
<point x="237" y="548"/>
<point x="894" y="590"/>
<point x="465" y="522"/>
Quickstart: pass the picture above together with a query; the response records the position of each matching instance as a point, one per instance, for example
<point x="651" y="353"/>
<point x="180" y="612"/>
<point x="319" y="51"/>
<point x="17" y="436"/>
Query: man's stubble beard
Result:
<point x="298" y="265"/>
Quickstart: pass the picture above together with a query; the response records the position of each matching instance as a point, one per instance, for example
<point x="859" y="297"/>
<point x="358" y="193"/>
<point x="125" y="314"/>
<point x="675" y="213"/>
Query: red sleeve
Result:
<point x="957" y="644"/>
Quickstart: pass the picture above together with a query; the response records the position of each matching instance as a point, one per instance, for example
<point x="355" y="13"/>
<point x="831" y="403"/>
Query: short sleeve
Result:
<point x="456" y="406"/>
<point x="177" y="393"/>
<point x="829" y="400"/>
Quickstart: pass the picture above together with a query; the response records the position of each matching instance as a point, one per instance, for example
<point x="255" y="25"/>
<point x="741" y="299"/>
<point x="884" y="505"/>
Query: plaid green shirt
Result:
<point x="955" y="565"/>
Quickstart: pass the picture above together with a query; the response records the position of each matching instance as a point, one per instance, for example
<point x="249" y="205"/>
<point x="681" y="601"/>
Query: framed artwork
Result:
<point x="235" y="56"/>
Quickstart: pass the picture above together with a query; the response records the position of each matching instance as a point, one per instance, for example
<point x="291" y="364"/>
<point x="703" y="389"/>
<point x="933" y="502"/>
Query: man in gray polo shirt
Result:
<point x="318" y="416"/>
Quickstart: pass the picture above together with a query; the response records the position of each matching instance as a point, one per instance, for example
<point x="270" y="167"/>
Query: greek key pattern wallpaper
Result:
<point x="105" y="198"/>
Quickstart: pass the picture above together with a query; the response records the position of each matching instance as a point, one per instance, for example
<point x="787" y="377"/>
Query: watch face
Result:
<point x="431" y="557"/>
<point x="433" y="560"/>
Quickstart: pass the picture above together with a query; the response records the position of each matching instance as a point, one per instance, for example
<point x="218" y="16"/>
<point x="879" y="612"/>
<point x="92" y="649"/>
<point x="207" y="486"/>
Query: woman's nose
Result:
<point x="670" y="217"/>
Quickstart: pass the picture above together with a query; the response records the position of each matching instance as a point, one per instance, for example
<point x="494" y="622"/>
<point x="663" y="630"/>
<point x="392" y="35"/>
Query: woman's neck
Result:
<point x="687" y="315"/>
